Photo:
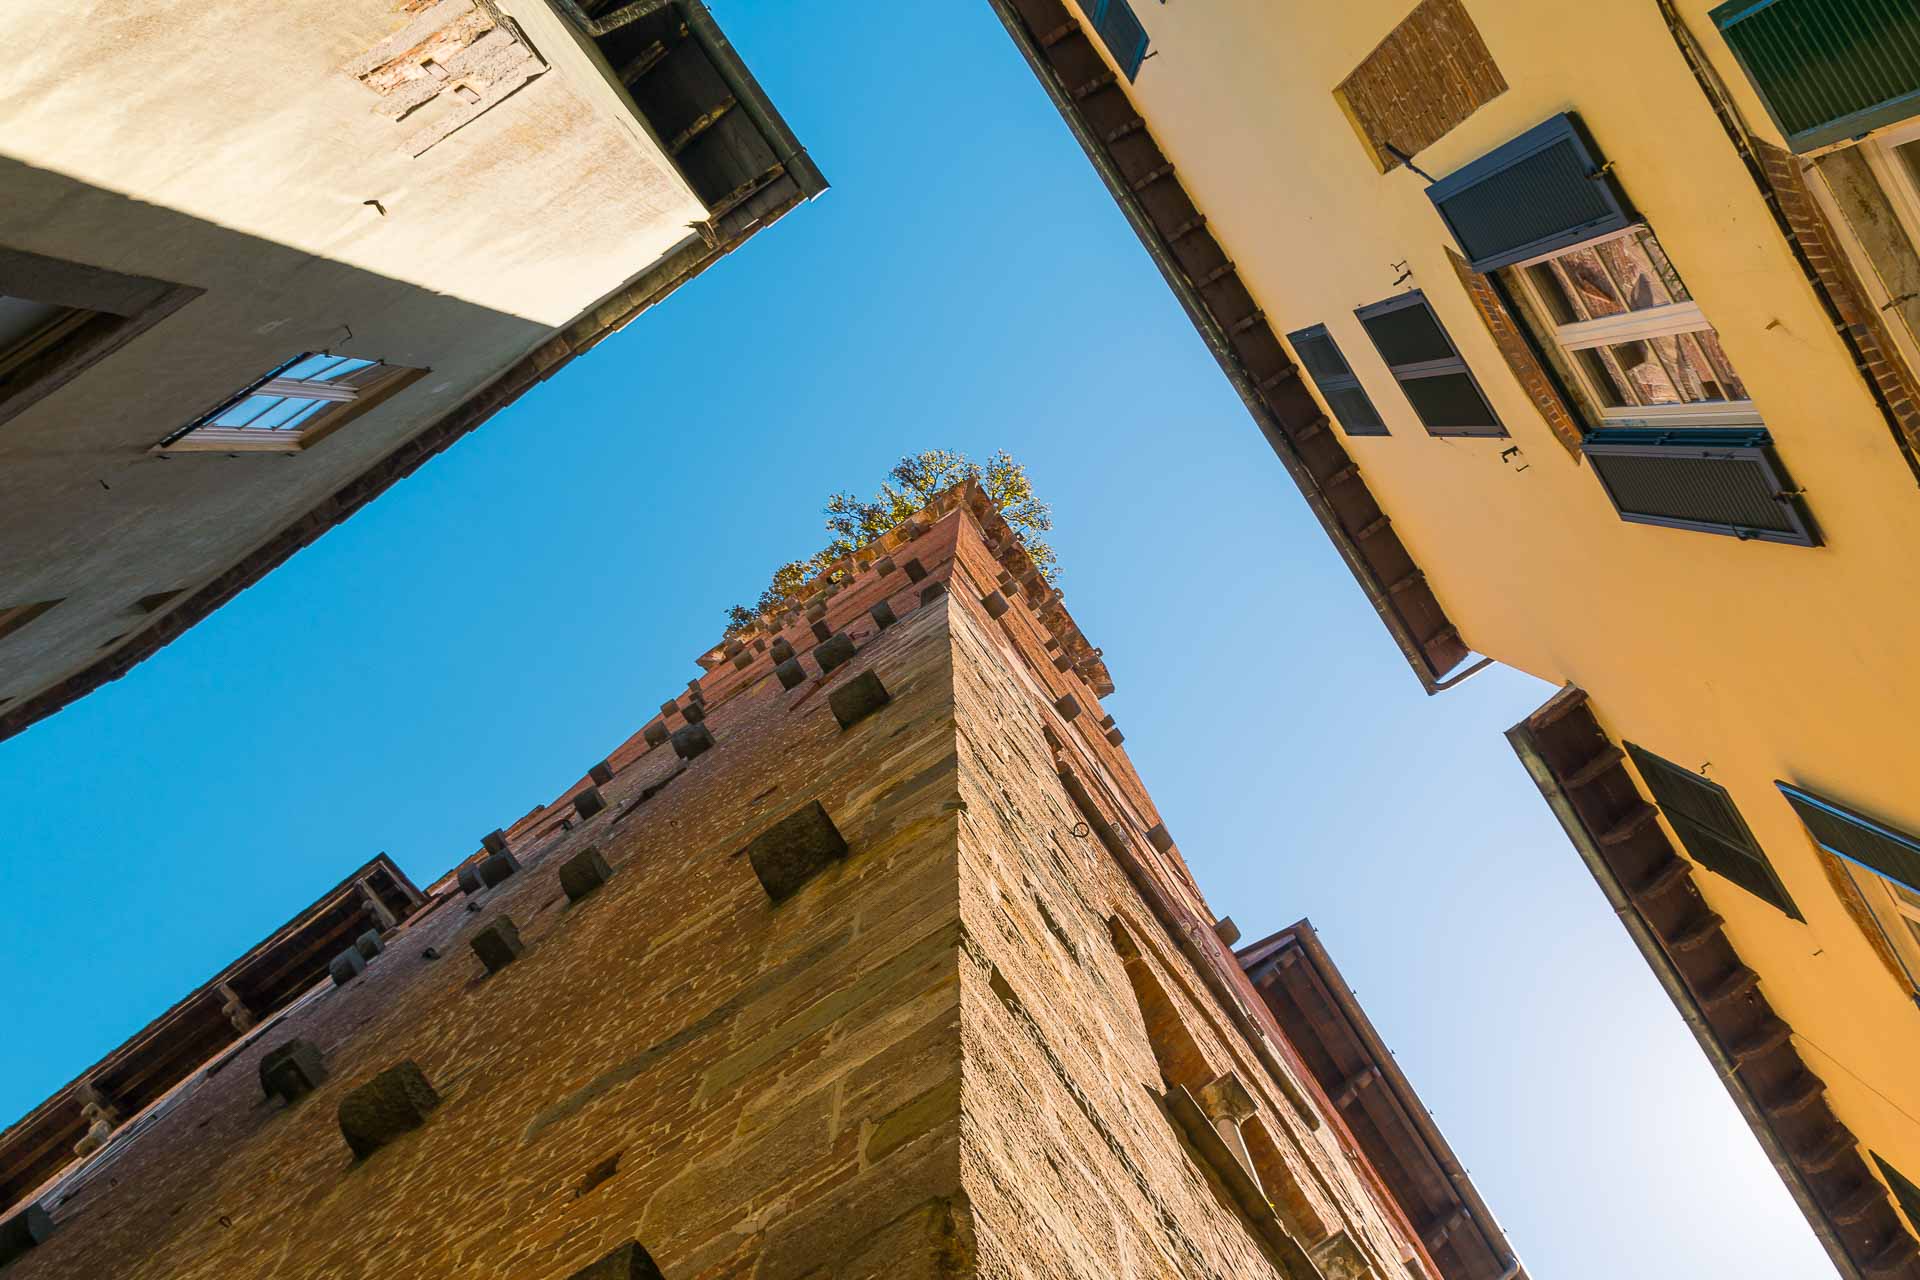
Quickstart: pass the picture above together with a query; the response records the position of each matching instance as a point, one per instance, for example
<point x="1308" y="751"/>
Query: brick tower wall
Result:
<point x="944" y="1054"/>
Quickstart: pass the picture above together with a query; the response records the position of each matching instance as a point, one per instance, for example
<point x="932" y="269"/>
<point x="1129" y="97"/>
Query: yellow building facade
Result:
<point x="1588" y="333"/>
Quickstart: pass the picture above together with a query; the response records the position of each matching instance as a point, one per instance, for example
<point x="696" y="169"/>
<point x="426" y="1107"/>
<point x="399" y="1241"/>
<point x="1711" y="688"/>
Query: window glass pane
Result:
<point x="243" y="414"/>
<point x="1449" y="401"/>
<point x="1553" y="294"/>
<point x="1909" y="155"/>
<point x="1730" y="385"/>
<point x="1642" y="276"/>
<point x="1588" y="285"/>
<point x="1408" y="335"/>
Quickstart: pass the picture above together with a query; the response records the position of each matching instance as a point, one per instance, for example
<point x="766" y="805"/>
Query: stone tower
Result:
<point x="869" y="958"/>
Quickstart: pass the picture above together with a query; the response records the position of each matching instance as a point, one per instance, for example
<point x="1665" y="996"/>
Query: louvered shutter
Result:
<point x="1542" y="191"/>
<point x="1856" y="837"/>
<point x="1717" y="480"/>
<point x="1334" y="377"/>
<point x="1715" y="835"/>
<point x="1121" y="32"/>
<point x="1424" y="361"/>
<point x="1828" y="70"/>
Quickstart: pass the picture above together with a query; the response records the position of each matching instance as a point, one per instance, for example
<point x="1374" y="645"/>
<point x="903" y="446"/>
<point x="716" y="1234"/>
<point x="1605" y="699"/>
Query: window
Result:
<point x="1121" y="32"/>
<point x="1828" y="70"/>
<point x="57" y="318"/>
<point x="1631" y="338"/>
<point x="293" y="405"/>
<point x="1423" y="361"/>
<point x="1715" y="835"/>
<point x="1853" y="836"/>
<point x="1338" y="387"/>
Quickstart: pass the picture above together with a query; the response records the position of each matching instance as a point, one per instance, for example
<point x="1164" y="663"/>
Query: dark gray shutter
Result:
<point x="1542" y="191"/>
<point x="1721" y="480"/>
<point x="1904" y="1192"/>
<point x="1856" y="837"/>
<point x="1321" y="358"/>
<point x="1425" y="363"/>
<point x="1716" y="836"/>
<point x="1121" y="32"/>
<point x="1828" y="70"/>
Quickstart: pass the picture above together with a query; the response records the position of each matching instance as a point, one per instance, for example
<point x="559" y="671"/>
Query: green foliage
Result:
<point x="852" y="522"/>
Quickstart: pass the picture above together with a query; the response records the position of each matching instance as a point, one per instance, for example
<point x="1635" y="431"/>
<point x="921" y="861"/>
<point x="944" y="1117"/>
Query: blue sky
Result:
<point x="464" y="648"/>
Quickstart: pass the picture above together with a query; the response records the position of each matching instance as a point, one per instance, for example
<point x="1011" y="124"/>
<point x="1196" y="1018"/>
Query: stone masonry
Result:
<point x="904" y="982"/>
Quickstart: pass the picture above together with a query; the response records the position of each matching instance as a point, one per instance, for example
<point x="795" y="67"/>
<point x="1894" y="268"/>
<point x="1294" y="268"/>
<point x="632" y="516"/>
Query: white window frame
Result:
<point x="1897" y="184"/>
<point x="1655" y="322"/>
<point x="339" y="401"/>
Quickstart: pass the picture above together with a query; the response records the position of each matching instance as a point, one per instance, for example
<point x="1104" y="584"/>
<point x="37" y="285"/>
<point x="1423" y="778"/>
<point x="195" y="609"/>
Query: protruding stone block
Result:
<point x="691" y="740"/>
<point x="494" y="841"/>
<point x="669" y="707"/>
<point x="857" y="699"/>
<point x="816" y="610"/>
<point x="628" y="1262"/>
<point x="347" y="966"/>
<point x="27" y="1229"/>
<point x="393" y="1103"/>
<point x="497" y="868"/>
<point x="368" y="944"/>
<point x="589" y="802"/>
<point x="601" y="773"/>
<point x="915" y="570"/>
<point x="694" y="712"/>
<point x="790" y="672"/>
<point x="794" y="850"/>
<point x="1226" y="930"/>
<point x="885" y="565"/>
<point x="731" y="646"/>
<point x="781" y="649"/>
<point x="994" y="603"/>
<point x="933" y="591"/>
<point x="834" y="652"/>
<point x="1067" y="705"/>
<point x="821" y="631"/>
<point x="1158" y="837"/>
<point x="584" y="872"/>
<point x="882" y="614"/>
<point x="498" y="944"/>
<point x="292" y="1071"/>
<point x="655" y="733"/>
<point x="1116" y="737"/>
<point x="470" y="878"/>
<point x="1106" y="722"/>
<point x="742" y="660"/>
<point x="1061" y="662"/>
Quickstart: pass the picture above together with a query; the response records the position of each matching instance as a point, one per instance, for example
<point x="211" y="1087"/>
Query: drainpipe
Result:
<point x="1676" y="988"/>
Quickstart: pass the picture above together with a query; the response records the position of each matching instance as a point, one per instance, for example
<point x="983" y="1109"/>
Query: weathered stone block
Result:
<point x="1067" y="705"/>
<point x="1157" y="837"/>
<point x="494" y="841"/>
<point x="781" y="649"/>
<point x="498" y="944"/>
<point x="1226" y="930"/>
<point x="655" y="733"/>
<point x="885" y="565"/>
<point x="694" y="712"/>
<point x="601" y="773"/>
<point x="291" y="1071"/>
<point x="347" y="966"/>
<point x="794" y="850"/>
<point x="629" y="1262"/>
<point x="669" y="707"/>
<point x="821" y="631"/>
<point x="934" y="590"/>
<point x="816" y="610"/>
<point x="589" y="802"/>
<point x="834" y="652"/>
<point x="1116" y="737"/>
<point x="857" y="699"/>
<point x="915" y="570"/>
<point x="882" y="614"/>
<point x="691" y="740"/>
<point x="584" y="872"/>
<point x="23" y="1231"/>
<point x="497" y="868"/>
<point x="368" y="944"/>
<point x="393" y="1103"/>
<point x="994" y="603"/>
<point x="470" y="878"/>
<point x="742" y="660"/>
<point x="790" y="672"/>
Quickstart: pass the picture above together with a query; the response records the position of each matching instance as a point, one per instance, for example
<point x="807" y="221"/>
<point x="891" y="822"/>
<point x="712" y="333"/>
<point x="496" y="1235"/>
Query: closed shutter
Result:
<point x="1717" y="480"/>
<point x="1905" y="1194"/>
<point x="1856" y="837"/>
<point x="1342" y="391"/>
<point x="1543" y="191"/>
<point x="1714" y="833"/>
<point x="1122" y="33"/>
<point x="1828" y="70"/>
<point x="1428" y="368"/>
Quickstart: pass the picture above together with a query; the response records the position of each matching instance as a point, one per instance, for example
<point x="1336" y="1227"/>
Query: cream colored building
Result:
<point x="259" y="260"/>
<point x="1588" y="333"/>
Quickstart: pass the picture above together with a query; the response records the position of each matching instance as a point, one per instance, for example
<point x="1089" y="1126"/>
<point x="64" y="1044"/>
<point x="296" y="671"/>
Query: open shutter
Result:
<point x="1828" y="70"/>
<point x="1338" y="387"/>
<point x="1542" y="191"/>
<point x="1715" y="835"/>
<point x="1856" y="837"/>
<point x="1428" y="367"/>
<point x="1717" y="480"/>
<point x="1121" y="32"/>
